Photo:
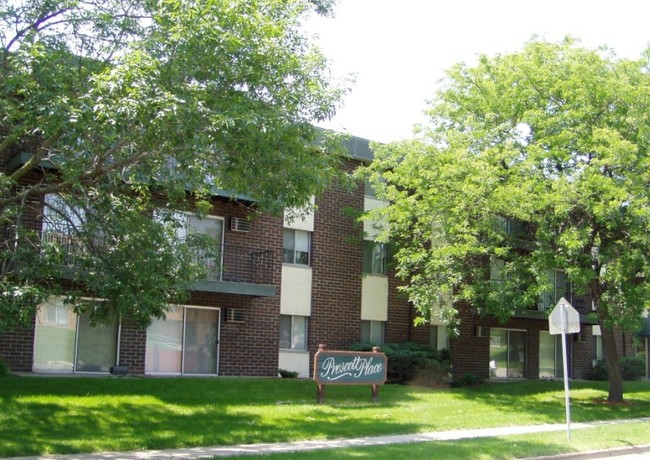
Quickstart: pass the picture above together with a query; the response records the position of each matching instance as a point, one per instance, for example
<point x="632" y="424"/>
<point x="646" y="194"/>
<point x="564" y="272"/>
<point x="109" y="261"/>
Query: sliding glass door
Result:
<point x="507" y="353"/>
<point x="66" y="342"/>
<point x="187" y="342"/>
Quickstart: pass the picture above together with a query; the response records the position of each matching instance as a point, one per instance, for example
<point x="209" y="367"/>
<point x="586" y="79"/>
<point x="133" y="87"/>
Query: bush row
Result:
<point x="409" y="362"/>
<point x="632" y="368"/>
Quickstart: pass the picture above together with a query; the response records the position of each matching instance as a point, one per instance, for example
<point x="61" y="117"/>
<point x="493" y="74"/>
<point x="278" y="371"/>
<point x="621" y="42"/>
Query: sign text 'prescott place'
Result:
<point x="348" y="367"/>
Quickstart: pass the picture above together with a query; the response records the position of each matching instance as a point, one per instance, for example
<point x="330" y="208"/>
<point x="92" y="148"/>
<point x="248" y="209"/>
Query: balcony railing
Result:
<point x="237" y="264"/>
<point x="226" y="263"/>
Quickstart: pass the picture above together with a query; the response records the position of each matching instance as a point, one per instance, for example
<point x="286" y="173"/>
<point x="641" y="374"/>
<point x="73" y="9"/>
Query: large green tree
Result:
<point x="120" y="106"/>
<point x="555" y="137"/>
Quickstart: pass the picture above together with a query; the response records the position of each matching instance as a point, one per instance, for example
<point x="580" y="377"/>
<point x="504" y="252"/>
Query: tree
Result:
<point x="120" y="106"/>
<point x="554" y="137"/>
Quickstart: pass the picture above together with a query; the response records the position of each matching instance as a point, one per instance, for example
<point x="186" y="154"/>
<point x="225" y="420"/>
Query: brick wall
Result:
<point x="133" y="342"/>
<point x="17" y="349"/>
<point x="337" y="264"/>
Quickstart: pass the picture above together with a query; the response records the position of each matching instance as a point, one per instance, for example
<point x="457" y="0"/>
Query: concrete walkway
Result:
<point x="302" y="446"/>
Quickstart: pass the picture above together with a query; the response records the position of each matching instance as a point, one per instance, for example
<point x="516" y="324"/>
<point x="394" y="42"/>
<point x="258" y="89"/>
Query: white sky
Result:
<point x="400" y="49"/>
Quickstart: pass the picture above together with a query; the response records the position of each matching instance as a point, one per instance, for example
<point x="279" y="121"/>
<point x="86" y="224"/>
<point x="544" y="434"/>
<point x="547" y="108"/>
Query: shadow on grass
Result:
<point x="545" y="400"/>
<point x="40" y="415"/>
<point x="75" y="414"/>
<point x="485" y="448"/>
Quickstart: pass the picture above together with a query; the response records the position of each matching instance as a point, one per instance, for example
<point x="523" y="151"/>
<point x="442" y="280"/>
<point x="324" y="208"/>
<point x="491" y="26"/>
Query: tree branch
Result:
<point x="36" y="25"/>
<point x="42" y="151"/>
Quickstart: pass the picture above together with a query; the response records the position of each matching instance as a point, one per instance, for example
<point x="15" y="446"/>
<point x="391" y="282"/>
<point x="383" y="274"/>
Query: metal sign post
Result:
<point x="562" y="320"/>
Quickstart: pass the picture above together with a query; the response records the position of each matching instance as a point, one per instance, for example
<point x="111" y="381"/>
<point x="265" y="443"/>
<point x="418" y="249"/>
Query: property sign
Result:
<point x="349" y="368"/>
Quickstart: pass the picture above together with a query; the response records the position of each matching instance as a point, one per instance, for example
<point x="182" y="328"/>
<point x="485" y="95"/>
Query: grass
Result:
<point x="495" y="448"/>
<point x="49" y="415"/>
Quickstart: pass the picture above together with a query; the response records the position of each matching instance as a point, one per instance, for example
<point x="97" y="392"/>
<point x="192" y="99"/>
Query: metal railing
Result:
<point x="237" y="264"/>
<point x="223" y="263"/>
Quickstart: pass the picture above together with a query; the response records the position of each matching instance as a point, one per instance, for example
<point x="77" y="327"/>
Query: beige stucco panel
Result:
<point x="295" y="361"/>
<point x="304" y="222"/>
<point x="296" y="290"/>
<point x="372" y="228"/>
<point x="374" y="298"/>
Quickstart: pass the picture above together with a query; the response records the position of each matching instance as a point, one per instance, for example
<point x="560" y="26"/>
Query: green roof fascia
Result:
<point x="543" y="315"/>
<point x="359" y="149"/>
<point x="21" y="158"/>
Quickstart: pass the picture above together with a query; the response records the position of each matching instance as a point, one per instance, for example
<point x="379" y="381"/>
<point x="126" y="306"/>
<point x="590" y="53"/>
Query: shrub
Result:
<point x="285" y="374"/>
<point x="467" y="379"/>
<point x="632" y="368"/>
<point x="4" y="369"/>
<point x="410" y="361"/>
<point x="599" y="371"/>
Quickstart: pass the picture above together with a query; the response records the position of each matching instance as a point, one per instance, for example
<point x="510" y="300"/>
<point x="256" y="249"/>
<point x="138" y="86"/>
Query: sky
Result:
<point x="398" y="50"/>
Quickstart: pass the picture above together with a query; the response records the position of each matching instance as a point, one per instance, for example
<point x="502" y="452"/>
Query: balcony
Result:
<point x="230" y="269"/>
<point x="237" y="270"/>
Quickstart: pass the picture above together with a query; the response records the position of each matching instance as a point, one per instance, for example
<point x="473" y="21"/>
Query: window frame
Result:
<point x="294" y="345"/>
<point x="372" y="325"/>
<point x="373" y="265"/>
<point x="293" y="252"/>
<point x="77" y="348"/>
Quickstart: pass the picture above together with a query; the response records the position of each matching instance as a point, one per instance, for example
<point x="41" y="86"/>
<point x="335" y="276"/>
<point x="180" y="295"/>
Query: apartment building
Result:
<point x="277" y="288"/>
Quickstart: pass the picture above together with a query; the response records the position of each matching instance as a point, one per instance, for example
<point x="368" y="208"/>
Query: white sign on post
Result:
<point x="564" y="315"/>
<point x="564" y="319"/>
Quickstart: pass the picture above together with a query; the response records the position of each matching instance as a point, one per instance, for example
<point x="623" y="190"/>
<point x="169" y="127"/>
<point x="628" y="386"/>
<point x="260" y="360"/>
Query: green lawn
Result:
<point x="47" y="415"/>
<point x="496" y="448"/>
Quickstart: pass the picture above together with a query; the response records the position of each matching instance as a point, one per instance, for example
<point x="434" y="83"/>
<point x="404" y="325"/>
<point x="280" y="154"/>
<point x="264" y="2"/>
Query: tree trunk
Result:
<point x="611" y="359"/>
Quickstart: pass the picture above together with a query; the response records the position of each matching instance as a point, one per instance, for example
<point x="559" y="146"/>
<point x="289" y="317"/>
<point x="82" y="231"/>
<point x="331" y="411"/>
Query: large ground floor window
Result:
<point x="67" y="342"/>
<point x="550" y="356"/>
<point x="507" y="353"/>
<point x="186" y="342"/>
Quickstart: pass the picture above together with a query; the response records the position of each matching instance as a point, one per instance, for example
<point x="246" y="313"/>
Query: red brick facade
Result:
<point x="17" y="349"/>
<point x="250" y="347"/>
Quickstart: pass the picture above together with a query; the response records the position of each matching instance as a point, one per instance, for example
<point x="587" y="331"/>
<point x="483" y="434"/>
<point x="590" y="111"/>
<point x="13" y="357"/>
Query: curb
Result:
<point x="312" y="445"/>
<point x="608" y="453"/>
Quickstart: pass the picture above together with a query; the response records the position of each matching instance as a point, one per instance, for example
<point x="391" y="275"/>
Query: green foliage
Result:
<point x="555" y="137"/>
<point x="410" y="361"/>
<point x="466" y="379"/>
<point x="4" y="368"/>
<point x="285" y="374"/>
<point x="125" y="103"/>
<point x="599" y="371"/>
<point x="632" y="368"/>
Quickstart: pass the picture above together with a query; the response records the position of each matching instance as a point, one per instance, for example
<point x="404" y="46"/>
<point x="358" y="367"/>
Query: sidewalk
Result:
<point x="301" y="446"/>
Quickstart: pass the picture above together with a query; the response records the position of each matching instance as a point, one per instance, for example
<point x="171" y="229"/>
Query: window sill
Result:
<point x="295" y="265"/>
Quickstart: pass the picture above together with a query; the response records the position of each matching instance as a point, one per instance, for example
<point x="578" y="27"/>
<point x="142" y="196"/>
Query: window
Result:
<point x="296" y="245"/>
<point x="438" y="337"/>
<point x="510" y="226"/>
<point x="293" y="332"/>
<point x="368" y="190"/>
<point x="598" y="344"/>
<point x="507" y="353"/>
<point x="560" y="287"/>
<point x="185" y="342"/>
<point x="207" y="249"/>
<point x="61" y="226"/>
<point x="66" y="342"/>
<point x="372" y="331"/>
<point x="374" y="258"/>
